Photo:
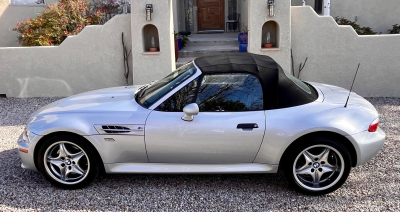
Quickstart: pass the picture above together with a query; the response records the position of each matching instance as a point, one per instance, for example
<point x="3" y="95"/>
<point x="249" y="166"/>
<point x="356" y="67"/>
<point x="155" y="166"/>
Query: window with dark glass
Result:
<point x="230" y="92"/>
<point x="180" y="99"/>
<point x="318" y="6"/>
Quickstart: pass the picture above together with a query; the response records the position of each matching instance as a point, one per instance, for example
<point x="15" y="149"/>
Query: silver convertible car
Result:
<point x="226" y="113"/>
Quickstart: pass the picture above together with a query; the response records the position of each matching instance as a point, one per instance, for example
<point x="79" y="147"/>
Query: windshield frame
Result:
<point x="163" y="96"/>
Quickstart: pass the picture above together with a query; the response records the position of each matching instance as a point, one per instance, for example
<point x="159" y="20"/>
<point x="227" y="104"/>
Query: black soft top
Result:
<point x="279" y="91"/>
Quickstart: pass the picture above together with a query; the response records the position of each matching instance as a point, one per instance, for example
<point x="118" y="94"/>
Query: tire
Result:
<point x="317" y="165"/>
<point x="68" y="161"/>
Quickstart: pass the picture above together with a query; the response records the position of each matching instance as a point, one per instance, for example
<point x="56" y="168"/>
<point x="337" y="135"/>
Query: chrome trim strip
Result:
<point x="167" y="168"/>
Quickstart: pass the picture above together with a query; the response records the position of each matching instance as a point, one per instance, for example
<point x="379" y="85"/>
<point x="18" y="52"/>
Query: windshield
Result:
<point x="152" y="93"/>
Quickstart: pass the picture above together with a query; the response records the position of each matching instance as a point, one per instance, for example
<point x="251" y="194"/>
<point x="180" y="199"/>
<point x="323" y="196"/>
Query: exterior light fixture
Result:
<point x="149" y="11"/>
<point x="271" y="4"/>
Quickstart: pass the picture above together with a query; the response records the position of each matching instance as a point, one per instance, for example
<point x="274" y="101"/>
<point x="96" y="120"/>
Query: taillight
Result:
<point x="374" y="125"/>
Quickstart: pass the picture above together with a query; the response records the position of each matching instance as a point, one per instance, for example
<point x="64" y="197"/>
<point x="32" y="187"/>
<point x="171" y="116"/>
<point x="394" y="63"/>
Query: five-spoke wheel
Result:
<point x="317" y="166"/>
<point x="68" y="161"/>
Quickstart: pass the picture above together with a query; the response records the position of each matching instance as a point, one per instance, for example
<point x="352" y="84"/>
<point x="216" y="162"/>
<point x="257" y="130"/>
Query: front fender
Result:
<point x="50" y="123"/>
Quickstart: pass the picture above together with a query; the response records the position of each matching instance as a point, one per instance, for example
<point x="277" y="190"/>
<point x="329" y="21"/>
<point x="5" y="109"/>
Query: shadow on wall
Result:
<point x="59" y="87"/>
<point x="9" y="15"/>
<point x="93" y="59"/>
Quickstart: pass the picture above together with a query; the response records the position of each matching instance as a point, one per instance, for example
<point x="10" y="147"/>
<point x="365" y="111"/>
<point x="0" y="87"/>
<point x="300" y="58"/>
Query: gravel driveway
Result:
<point x="373" y="187"/>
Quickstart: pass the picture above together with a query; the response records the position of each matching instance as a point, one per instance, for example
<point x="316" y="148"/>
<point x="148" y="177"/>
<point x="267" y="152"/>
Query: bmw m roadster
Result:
<point x="226" y="113"/>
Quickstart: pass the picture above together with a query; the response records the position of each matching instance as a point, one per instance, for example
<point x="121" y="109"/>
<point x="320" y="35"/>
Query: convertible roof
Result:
<point x="279" y="91"/>
<point x="235" y="62"/>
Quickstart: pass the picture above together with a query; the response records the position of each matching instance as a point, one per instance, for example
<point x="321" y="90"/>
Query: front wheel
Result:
<point x="67" y="162"/>
<point x="317" y="166"/>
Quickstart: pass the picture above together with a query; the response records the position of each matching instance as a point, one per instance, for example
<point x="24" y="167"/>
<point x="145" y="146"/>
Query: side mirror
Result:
<point x="190" y="110"/>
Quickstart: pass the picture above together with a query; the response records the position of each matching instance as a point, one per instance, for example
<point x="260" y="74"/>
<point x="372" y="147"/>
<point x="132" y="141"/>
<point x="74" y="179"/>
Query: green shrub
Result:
<point x="56" y="23"/>
<point x="395" y="30"/>
<point x="185" y="40"/>
<point x="359" y="30"/>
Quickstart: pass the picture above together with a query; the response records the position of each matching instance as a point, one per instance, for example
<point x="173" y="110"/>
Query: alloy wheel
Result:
<point x="318" y="167"/>
<point x="66" y="162"/>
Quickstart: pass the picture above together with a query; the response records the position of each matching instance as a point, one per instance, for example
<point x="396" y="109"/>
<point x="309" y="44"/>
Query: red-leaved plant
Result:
<point x="56" y="23"/>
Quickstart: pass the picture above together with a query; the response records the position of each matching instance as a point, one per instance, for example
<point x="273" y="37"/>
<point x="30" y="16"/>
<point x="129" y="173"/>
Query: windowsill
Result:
<point x="151" y="53"/>
<point x="269" y="49"/>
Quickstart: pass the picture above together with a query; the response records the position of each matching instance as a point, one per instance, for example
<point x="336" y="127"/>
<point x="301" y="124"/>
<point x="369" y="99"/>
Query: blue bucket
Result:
<point x="243" y="47"/>
<point x="180" y="43"/>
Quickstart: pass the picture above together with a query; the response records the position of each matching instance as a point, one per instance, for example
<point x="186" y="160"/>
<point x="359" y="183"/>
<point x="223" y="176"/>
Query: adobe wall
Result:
<point x="334" y="52"/>
<point x="91" y="60"/>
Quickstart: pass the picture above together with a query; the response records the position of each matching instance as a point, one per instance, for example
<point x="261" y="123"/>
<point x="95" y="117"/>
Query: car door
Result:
<point x="228" y="129"/>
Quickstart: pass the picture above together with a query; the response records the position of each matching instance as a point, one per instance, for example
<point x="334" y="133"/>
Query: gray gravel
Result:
<point x="372" y="187"/>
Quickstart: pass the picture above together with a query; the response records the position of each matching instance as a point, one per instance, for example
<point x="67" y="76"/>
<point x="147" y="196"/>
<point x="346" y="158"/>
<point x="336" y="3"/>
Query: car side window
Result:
<point x="230" y="92"/>
<point x="180" y="99"/>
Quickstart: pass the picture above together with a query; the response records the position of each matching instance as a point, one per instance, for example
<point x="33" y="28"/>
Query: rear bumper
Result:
<point x="367" y="144"/>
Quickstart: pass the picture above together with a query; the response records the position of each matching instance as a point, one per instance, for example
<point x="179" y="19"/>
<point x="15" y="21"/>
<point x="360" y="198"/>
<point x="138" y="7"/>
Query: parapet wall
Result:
<point x="334" y="52"/>
<point x="91" y="60"/>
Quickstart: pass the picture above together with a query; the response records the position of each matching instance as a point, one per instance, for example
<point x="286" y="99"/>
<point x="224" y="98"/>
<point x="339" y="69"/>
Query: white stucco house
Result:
<point x="94" y="58"/>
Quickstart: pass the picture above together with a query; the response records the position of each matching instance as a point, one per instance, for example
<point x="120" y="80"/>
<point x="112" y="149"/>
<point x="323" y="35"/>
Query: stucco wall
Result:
<point x="90" y="60"/>
<point x="334" y="52"/>
<point x="377" y="14"/>
<point x="9" y="15"/>
<point x="151" y="67"/>
<point x="258" y="17"/>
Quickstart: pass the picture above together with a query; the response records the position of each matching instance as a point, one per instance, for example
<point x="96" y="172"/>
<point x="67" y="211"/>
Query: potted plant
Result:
<point x="268" y="44"/>
<point x="176" y="46"/>
<point x="243" y="38"/>
<point x="185" y="39"/>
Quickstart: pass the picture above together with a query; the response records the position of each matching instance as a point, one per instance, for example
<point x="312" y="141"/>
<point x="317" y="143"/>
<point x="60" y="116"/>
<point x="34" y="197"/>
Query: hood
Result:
<point x="337" y="96"/>
<point x="109" y="99"/>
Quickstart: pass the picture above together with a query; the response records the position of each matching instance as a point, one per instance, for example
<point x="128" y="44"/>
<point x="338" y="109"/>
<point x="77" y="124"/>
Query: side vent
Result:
<point x="116" y="129"/>
<point x="120" y="129"/>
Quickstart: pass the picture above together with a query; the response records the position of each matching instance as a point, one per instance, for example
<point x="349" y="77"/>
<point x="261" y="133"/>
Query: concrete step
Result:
<point x="198" y="51"/>
<point x="183" y="60"/>
<point x="212" y="43"/>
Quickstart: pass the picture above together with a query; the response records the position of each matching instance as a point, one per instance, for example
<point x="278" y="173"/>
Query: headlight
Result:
<point x="26" y="135"/>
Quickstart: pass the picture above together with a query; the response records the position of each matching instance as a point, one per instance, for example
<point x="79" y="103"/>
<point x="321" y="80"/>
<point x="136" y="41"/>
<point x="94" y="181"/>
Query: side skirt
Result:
<point x="166" y="168"/>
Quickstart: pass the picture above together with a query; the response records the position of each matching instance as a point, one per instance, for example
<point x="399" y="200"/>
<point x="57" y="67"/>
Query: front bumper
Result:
<point x="25" y="150"/>
<point x="367" y="144"/>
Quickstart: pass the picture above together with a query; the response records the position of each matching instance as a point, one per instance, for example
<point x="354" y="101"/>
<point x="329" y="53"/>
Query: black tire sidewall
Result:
<point x="94" y="166"/>
<point x="299" y="147"/>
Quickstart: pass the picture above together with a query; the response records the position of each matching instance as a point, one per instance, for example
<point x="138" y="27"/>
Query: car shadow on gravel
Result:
<point x="27" y="189"/>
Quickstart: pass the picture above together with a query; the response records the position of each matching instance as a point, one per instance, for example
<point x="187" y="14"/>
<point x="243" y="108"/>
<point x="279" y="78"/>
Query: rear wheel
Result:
<point x="317" y="166"/>
<point x="68" y="162"/>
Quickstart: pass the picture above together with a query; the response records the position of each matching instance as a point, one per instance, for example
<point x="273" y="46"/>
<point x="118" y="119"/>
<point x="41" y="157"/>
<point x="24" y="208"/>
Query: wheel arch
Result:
<point x="340" y="138"/>
<point x="44" y="138"/>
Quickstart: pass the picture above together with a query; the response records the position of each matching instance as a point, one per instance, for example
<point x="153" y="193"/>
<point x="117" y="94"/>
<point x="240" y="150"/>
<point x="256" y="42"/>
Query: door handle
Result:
<point x="247" y="126"/>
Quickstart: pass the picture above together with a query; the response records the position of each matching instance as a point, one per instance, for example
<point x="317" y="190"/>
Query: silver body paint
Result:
<point x="161" y="142"/>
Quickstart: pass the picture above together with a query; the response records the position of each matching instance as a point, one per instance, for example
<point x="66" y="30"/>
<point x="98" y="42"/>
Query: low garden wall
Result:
<point x="334" y="52"/>
<point x="93" y="59"/>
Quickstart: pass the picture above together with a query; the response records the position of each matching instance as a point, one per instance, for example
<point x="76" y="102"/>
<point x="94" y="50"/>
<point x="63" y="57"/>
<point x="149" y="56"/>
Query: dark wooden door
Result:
<point x="210" y="14"/>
